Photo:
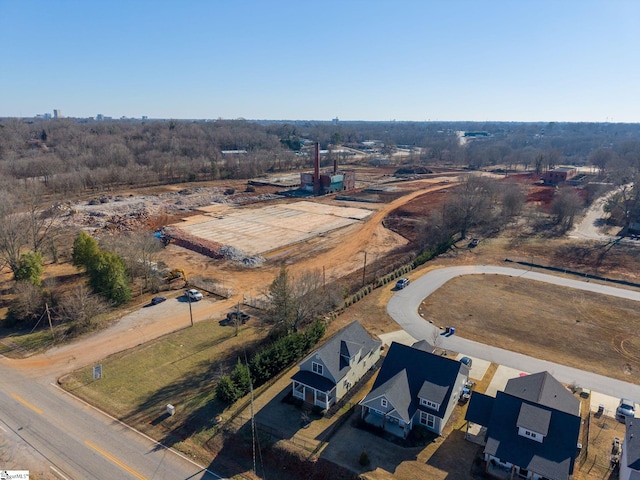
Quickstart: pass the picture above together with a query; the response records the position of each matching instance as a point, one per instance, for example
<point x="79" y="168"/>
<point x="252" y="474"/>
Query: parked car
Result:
<point x="467" y="361"/>
<point x="157" y="300"/>
<point x="193" y="295"/>
<point x="626" y="409"/>
<point x="232" y="316"/>
<point x="403" y="282"/>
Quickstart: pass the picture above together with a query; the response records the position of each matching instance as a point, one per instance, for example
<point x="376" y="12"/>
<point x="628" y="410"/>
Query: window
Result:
<point x="427" y="419"/>
<point x="317" y="368"/>
<point x="530" y="434"/>
<point x="429" y="403"/>
<point x="321" y="396"/>
<point x="383" y="403"/>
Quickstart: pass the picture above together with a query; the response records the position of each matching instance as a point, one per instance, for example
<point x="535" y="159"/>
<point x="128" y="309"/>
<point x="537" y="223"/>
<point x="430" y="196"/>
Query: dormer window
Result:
<point x="317" y="368"/>
<point x="429" y="404"/>
<point x="524" y="432"/>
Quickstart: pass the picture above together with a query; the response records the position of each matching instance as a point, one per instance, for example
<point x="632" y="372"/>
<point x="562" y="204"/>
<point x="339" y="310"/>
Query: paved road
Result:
<point x="403" y="308"/>
<point x="78" y="442"/>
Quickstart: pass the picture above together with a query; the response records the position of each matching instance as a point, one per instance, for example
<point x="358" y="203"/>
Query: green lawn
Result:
<point x="179" y="369"/>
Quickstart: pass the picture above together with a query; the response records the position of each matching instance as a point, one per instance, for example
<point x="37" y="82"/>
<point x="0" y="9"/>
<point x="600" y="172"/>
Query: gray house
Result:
<point x="414" y="387"/>
<point x="532" y="428"/>
<point x="329" y="372"/>
<point x="630" y="460"/>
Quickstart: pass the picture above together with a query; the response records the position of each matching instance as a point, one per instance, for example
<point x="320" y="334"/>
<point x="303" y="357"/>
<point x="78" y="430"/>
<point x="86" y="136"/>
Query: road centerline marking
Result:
<point x="26" y="404"/>
<point x="115" y="460"/>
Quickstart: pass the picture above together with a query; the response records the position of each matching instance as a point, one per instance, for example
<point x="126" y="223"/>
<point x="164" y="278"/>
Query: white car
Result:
<point x="193" y="295"/>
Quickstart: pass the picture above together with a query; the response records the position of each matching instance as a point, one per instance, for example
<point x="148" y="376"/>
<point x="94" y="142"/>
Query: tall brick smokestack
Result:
<point x="316" y="170"/>
<point x="335" y="165"/>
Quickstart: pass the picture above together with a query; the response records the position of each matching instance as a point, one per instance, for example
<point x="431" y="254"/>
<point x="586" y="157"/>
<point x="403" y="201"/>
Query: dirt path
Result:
<point x="339" y="253"/>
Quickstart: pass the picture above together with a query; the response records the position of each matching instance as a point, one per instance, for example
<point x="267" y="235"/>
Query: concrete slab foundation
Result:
<point x="258" y="231"/>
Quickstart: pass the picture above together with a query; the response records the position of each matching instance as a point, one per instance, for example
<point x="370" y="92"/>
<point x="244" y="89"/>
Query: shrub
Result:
<point x="226" y="391"/>
<point x="30" y="268"/>
<point x="364" y="459"/>
<point x="241" y="379"/>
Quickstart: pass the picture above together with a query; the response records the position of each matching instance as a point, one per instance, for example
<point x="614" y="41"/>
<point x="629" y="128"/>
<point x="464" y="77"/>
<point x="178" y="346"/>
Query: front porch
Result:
<point x="314" y="396"/>
<point x="499" y="470"/>
<point x="384" y="422"/>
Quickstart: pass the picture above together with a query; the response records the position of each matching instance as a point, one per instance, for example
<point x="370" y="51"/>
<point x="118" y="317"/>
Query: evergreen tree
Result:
<point x="30" y="268"/>
<point x="241" y="378"/>
<point x="85" y="251"/>
<point x="108" y="277"/>
<point x="226" y="391"/>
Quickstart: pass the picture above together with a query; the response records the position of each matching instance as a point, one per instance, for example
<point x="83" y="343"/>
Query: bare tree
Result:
<point x="138" y="249"/>
<point x="41" y="224"/>
<point x="296" y="301"/>
<point x="27" y="305"/>
<point x="565" y="206"/>
<point x="512" y="199"/>
<point x="470" y="204"/>
<point x="13" y="235"/>
<point x="623" y="205"/>
<point x="81" y="306"/>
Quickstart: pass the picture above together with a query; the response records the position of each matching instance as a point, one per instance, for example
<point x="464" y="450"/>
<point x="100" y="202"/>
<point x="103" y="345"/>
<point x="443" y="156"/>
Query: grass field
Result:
<point x="179" y="369"/>
<point x="589" y="331"/>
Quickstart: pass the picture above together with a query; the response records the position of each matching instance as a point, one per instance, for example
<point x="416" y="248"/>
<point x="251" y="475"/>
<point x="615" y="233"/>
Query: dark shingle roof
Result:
<point x="632" y="442"/>
<point x="545" y="390"/>
<point x="421" y="367"/>
<point x="479" y="409"/>
<point x="347" y="341"/>
<point x="313" y="380"/>
<point x="553" y="458"/>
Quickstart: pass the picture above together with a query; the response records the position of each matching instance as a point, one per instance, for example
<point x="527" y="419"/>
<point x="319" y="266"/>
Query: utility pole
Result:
<point x="190" y="311"/>
<point x="364" y="269"/>
<point x="46" y="306"/>
<point x="323" y="278"/>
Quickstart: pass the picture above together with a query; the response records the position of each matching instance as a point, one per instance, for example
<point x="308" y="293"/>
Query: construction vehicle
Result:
<point x="175" y="274"/>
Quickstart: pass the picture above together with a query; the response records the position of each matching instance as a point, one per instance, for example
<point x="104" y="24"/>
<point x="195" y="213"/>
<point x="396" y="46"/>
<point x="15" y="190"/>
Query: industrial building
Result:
<point x="322" y="183"/>
<point x="559" y="175"/>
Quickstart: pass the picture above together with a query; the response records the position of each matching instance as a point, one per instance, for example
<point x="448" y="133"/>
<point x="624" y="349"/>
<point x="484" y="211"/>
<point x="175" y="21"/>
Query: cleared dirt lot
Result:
<point x="591" y="332"/>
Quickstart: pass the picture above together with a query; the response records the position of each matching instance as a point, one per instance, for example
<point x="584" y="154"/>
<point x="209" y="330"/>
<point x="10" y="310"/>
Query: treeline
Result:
<point x="72" y="156"/>
<point x="268" y="362"/>
<point x="111" y="268"/>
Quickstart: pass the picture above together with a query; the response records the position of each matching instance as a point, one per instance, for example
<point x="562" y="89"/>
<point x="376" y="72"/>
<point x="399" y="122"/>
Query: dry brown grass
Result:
<point x="589" y="331"/>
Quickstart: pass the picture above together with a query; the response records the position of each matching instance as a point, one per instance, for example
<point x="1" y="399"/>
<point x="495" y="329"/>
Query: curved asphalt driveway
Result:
<point x="403" y="308"/>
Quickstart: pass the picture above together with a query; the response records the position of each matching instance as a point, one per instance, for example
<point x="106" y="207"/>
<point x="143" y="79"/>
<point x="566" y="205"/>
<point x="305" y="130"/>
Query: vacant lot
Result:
<point x="181" y="369"/>
<point x="589" y="331"/>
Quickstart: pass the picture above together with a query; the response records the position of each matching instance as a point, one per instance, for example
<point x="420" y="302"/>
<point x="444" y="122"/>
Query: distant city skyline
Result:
<point x="415" y="60"/>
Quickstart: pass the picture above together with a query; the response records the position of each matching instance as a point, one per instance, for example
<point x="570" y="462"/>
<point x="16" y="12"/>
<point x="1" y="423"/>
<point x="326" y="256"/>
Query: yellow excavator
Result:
<point x="175" y="274"/>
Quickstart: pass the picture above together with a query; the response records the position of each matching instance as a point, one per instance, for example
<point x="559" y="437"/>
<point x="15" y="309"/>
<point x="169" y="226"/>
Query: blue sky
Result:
<point x="501" y="60"/>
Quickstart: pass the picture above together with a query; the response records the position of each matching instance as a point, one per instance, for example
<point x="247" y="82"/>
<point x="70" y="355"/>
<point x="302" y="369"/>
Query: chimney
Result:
<point x="316" y="170"/>
<point x="335" y="165"/>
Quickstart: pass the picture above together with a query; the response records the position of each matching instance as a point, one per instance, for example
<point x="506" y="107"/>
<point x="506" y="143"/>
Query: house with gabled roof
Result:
<point x="532" y="428"/>
<point x="328" y="373"/>
<point x="630" y="458"/>
<point x="414" y="387"/>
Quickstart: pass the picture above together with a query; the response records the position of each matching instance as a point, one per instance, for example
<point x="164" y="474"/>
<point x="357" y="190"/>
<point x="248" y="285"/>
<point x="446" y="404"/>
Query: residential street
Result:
<point x="52" y="432"/>
<point x="403" y="308"/>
